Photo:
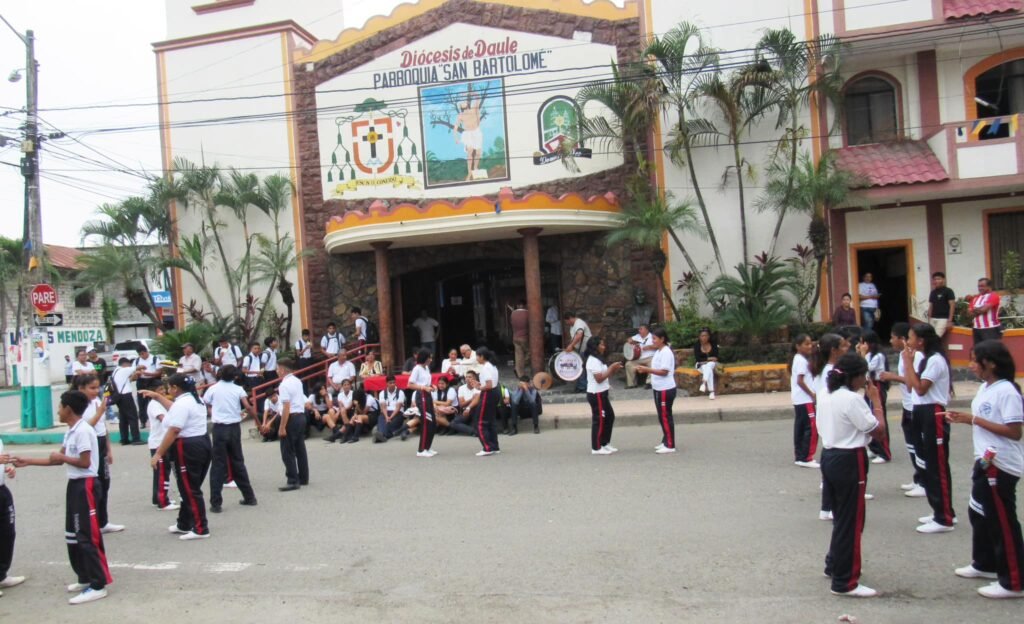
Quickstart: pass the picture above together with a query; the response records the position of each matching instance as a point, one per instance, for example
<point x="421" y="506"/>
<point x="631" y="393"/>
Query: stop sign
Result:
<point x="44" y="298"/>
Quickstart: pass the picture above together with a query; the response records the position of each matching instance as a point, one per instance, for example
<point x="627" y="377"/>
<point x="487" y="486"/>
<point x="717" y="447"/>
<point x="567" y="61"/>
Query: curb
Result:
<point x="53" y="436"/>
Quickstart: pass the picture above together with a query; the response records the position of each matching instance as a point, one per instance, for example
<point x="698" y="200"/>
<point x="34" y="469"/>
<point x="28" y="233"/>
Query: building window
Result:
<point x="1005" y="233"/>
<point x="870" y="108"/>
<point x="998" y="92"/>
<point x="83" y="299"/>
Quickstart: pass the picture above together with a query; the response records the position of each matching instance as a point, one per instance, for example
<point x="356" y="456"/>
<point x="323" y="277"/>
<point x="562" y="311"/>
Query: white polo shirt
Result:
<point x="344" y="399"/>
<point x="999" y="403"/>
<point x="800" y="368"/>
<point x="157" y="429"/>
<point x="844" y="420"/>
<point x="290" y="392"/>
<point x="79" y="368"/>
<point x="252" y="364"/>
<point x="360" y="328"/>
<point x="81" y="439"/>
<point x="101" y="424"/>
<point x="936" y="370"/>
<point x="190" y="364"/>
<point x="303" y="349"/>
<point x="338" y="372"/>
<point x="228" y="355"/>
<point x="122" y="379"/>
<point x="187" y="415"/>
<point x="664" y="359"/>
<point x="392" y="400"/>
<point x="901" y="370"/>
<point x="332" y="343"/>
<point x="488" y="372"/>
<point x="271" y="361"/>
<point x="225" y="401"/>
<point x="420" y="376"/>
<point x="466" y="394"/>
<point x="594" y="368"/>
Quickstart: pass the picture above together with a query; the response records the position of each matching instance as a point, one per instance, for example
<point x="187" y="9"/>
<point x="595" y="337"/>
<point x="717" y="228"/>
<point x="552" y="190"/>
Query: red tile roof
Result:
<point x="885" y="164"/>
<point x="63" y="257"/>
<point x="953" y="9"/>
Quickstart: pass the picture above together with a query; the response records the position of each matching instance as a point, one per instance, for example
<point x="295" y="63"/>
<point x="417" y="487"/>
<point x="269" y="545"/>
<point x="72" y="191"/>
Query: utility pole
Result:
<point x="30" y="164"/>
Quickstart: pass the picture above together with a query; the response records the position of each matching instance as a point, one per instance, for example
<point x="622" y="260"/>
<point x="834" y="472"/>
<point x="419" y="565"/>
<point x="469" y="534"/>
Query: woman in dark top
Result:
<point x="845" y="315"/>
<point x="705" y="352"/>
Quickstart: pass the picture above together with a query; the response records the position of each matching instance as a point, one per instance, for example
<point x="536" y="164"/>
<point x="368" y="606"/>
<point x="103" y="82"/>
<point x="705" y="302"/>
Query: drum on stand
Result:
<point x="631" y="351"/>
<point x="566" y="365"/>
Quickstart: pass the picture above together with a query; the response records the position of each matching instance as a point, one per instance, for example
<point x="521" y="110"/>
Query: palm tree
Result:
<point x="101" y="263"/>
<point x="802" y="70"/>
<point x="275" y="258"/>
<point x="12" y="265"/>
<point x="682" y="54"/>
<point x="192" y="258"/>
<point x="741" y="100"/>
<point x="644" y="222"/>
<point x="756" y="297"/>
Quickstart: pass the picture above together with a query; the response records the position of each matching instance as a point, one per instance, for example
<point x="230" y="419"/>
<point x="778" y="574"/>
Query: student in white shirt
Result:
<point x="339" y="418"/>
<point x="270" y="363"/>
<point x="392" y="408"/>
<point x="165" y="466"/>
<point x="89" y="385"/>
<point x="829" y="349"/>
<point x="422" y="385"/>
<point x="898" y="340"/>
<point x="291" y="430"/>
<point x="360" y="323"/>
<point x="870" y="348"/>
<point x="127" y="410"/>
<point x="663" y="381"/>
<point x="80" y="455"/>
<point x="149" y="375"/>
<point x="253" y="366"/>
<point x="186" y="432"/>
<point x="226" y="400"/>
<point x="332" y="342"/>
<point x="271" y="416"/>
<point x="601" y="412"/>
<point x="319" y="409"/>
<point x="996" y="416"/>
<point x="490" y="395"/>
<point x="304" y="351"/>
<point x="365" y="413"/>
<point x="226" y="354"/>
<point x="469" y="400"/>
<point x="846" y="425"/>
<point x="930" y="384"/>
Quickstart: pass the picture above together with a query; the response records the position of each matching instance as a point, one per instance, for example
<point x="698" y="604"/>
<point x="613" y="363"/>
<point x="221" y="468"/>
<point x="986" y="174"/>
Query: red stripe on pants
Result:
<point x="664" y="420"/>
<point x="600" y="420"/>
<point x="423" y="422"/>
<point x="940" y="449"/>
<point x="1009" y="550"/>
<point x="812" y="448"/>
<point x="161" y="490"/>
<point x="94" y="527"/>
<point x="480" y="421"/>
<point x="188" y="488"/>
<point x="862" y="485"/>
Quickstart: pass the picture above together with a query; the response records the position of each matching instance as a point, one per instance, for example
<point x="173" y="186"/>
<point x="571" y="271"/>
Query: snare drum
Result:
<point x="566" y="365"/>
<point x="631" y="351"/>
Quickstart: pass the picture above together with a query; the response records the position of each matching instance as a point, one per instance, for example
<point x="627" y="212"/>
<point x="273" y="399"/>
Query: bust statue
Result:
<point x="640" y="312"/>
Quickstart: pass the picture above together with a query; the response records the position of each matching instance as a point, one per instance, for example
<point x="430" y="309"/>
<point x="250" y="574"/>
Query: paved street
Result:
<point x="725" y="531"/>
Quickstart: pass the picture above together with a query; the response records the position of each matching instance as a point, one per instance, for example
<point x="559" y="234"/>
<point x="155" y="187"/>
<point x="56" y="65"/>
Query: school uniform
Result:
<point x="6" y="522"/>
<point x="844" y="424"/>
<point x="252" y="369"/>
<point x="228" y="464"/>
<point x="665" y="393"/>
<point x="932" y="434"/>
<point x="103" y="470"/>
<point x="390" y="402"/>
<point x="127" y="411"/>
<point x="227" y="356"/>
<point x="293" y="445"/>
<point x="602" y="416"/>
<point x="145" y="383"/>
<point x="907" y="422"/>
<point x="424" y="401"/>
<point x="876" y="366"/>
<point x="78" y="368"/>
<point x="805" y="434"/>
<point x="270" y="365"/>
<point x="343" y="403"/>
<point x="463" y="420"/>
<point x="81" y="522"/>
<point x="997" y="545"/>
<point x="332" y="343"/>
<point x="192" y="453"/>
<point x="360" y="330"/>
<point x="303" y="355"/>
<point x="317" y="406"/>
<point x="820" y="387"/>
<point x="486" y="424"/>
<point x="273" y="409"/>
<point x="165" y="465"/>
<point x="372" y="410"/>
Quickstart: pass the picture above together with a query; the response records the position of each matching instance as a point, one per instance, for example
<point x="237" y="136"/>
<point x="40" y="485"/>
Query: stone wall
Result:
<point x="333" y="285"/>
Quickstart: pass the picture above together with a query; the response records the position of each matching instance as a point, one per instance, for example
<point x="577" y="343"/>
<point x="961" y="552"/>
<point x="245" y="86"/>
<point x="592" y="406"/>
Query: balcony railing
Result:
<point x="981" y="148"/>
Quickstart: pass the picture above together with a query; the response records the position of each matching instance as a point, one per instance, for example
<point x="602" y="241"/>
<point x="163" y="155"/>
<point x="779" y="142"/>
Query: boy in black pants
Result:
<point x="6" y="524"/>
<point x="80" y="454"/>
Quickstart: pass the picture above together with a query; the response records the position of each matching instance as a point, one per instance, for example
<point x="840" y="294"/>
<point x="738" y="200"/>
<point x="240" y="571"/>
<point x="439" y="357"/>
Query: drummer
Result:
<point x="579" y="335"/>
<point x="643" y="349"/>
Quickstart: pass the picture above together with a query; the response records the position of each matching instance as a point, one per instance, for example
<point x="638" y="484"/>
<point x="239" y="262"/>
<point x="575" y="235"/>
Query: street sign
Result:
<point x="44" y="298"/>
<point x="50" y="320"/>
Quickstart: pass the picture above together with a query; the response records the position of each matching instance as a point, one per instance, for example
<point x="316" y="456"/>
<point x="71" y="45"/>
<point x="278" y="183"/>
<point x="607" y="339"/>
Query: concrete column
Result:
<point x="384" y="321"/>
<point x="531" y="266"/>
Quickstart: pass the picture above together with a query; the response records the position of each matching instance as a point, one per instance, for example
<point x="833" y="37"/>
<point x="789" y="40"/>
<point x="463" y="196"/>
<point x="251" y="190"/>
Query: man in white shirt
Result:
<point x="554" y="323"/>
<point x="225" y="401"/>
<point x="467" y="362"/>
<point x="332" y="342"/>
<point x="121" y="393"/>
<point x="360" y="323"/>
<point x="579" y="335"/>
<point x="428" y="331"/>
<point x="190" y="362"/>
<point x="868" y="301"/>
<point x="340" y="370"/>
<point x="148" y="377"/>
<point x="643" y="340"/>
<point x="226" y="353"/>
<point x="292" y="429"/>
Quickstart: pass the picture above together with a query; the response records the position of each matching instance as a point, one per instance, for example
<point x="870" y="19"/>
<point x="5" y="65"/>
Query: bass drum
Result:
<point x="566" y="365"/>
<point x="631" y="351"/>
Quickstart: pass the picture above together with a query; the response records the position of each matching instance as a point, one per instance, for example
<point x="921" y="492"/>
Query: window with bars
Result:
<point x="870" y="109"/>
<point x="1005" y="234"/>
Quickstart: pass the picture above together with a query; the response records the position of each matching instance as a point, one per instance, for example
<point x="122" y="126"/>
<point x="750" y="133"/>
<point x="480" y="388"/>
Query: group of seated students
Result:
<point x="340" y="404"/>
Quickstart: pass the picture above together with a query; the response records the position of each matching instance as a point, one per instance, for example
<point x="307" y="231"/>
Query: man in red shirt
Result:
<point x="520" y="322"/>
<point x="984" y="311"/>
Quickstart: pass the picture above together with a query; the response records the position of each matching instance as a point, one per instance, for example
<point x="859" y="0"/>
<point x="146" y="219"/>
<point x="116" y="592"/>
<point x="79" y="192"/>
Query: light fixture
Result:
<point x="14" y="76"/>
<point x="986" y="103"/>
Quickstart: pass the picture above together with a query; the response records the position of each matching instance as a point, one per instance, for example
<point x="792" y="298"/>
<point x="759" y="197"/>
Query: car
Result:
<point x="128" y="349"/>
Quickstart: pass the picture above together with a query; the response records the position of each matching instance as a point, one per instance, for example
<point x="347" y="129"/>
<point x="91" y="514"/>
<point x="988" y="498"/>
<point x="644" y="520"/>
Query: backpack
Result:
<point x="372" y="334"/>
<point x="248" y="360"/>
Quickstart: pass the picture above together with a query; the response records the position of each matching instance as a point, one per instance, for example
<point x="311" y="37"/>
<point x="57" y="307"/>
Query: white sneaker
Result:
<point x="825" y="515"/>
<point x="703" y="387"/>
<point x="111" y="528"/>
<point x="600" y="451"/>
<point x="906" y="487"/>
<point x="807" y="464"/>
<point x="665" y="450"/>
<point x="89" y="595"/>
<point x="423" y="454"/>
<point x="916" y="492"/>
<point x="929" y="518"/>
<point x="76" y="588"/>
<point x="192" y="535"/>
<point x="174" y="529"/>
<point x="171" y="507"/>
<point x="933" y="527"/>
<point x="484" y="453"/>
<point x="610" y="448"/>
<point x="971" y="572"/>
<point x="712" y="396"/>
<point x="995" y="590"/>
<point x="869" y="496"/>
<point x="432" y="452"/>
<point x="860" y="591"/>
<point x="879" y="460"/>
<point x="231" y="484"/>
<point x="660" y="446"/>
<point x="11" y="581"/>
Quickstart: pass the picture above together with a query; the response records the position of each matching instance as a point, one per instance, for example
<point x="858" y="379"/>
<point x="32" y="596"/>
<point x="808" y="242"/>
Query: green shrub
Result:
<point x="201" y="335"/>
<point x="683" y="334"/>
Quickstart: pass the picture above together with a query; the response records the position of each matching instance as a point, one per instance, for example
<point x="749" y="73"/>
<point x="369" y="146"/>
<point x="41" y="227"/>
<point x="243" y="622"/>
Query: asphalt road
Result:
<point x="724" y="531"/>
